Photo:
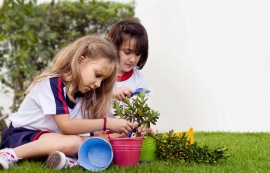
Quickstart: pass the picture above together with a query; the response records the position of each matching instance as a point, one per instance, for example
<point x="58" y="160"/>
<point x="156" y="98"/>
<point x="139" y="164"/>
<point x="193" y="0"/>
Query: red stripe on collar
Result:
<point x="125" y="76"/>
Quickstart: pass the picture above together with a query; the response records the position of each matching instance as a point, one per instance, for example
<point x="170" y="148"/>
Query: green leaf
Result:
<point x="2" y="38"/>
<point x="51" y="35"/>
<point x="137" y="110"/>
<point x="26" y="25"/>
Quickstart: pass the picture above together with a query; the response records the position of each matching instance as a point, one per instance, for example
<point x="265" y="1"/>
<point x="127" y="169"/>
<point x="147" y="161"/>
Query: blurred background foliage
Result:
<point x="30" y="34"/>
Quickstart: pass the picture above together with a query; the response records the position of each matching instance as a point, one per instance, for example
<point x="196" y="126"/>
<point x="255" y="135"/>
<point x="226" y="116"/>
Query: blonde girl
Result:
<point x="66" y="102"/>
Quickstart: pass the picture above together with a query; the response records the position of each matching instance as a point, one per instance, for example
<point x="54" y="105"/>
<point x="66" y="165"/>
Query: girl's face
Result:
<point x="128" y="58"/>
<point x="92" y="73"/>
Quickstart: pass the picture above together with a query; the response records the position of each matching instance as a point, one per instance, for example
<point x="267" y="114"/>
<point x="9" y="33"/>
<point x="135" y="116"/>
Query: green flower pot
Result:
<point x="148" y="149"/>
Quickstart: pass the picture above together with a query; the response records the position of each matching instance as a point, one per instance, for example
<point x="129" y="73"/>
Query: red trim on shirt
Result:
<point x="60" y="96"/>
<point x="125" y="76"/>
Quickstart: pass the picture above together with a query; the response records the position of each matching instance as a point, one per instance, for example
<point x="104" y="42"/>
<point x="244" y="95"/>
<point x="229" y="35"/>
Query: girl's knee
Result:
<point x="72" y="144"/>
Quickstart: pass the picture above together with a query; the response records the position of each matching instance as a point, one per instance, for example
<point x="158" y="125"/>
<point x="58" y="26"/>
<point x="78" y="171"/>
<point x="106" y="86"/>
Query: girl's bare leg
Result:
<point x="48" y="143"/>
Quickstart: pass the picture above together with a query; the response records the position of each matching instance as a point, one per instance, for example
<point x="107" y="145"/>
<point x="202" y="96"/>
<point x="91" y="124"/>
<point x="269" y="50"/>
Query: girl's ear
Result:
<point x="80" y="60"/>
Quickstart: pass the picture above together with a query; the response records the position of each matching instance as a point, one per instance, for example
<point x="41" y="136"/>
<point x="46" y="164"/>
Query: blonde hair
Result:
<point x="96" y="103"/>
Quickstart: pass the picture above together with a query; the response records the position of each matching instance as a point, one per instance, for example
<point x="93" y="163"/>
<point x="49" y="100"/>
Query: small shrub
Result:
<point x="136" y="110"/>
<point x="179" y="148"/>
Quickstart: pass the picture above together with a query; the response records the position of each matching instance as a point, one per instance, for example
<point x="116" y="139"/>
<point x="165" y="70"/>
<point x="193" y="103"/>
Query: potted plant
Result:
<point x="127" y="150"/>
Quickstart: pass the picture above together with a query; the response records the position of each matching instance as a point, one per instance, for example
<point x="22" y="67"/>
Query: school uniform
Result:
<point x="133" y="79"/>
<point x="34" y="117"/>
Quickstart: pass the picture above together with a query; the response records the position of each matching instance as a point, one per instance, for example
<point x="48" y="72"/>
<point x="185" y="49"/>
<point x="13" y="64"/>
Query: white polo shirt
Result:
<point x="133" y="79"/>
<point x="48" y="97"/>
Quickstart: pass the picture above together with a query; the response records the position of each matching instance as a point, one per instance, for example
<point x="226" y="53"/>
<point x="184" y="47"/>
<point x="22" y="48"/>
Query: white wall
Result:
<point x="209" y="65"/>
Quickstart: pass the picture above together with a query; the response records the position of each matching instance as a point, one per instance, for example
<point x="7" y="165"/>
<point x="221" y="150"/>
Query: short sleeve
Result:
<point x="51" y="97"/>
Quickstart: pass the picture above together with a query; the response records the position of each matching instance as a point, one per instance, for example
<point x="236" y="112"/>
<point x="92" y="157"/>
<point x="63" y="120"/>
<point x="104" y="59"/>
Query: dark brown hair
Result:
<point x="125" y="30"/>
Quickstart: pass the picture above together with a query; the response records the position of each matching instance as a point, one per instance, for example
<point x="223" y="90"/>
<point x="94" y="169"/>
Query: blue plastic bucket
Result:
<point x="95" y="154"/>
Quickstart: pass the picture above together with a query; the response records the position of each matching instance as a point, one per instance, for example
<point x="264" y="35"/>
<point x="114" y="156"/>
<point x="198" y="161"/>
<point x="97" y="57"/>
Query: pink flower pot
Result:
<point x="126" y="151"/>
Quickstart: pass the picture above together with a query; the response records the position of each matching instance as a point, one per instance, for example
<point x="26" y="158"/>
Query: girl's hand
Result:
<point x="119" y="125"/>
<point x="122" y="92"/>
<point x="117" y="135"/>
<point x="143" y="130"/>
<point x="105" y="137"/>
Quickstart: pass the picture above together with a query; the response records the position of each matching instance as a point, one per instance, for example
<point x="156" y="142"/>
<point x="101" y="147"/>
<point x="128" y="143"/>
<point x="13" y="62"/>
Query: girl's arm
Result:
<point x="122" y="92"/>
<point x="79" y="126"/>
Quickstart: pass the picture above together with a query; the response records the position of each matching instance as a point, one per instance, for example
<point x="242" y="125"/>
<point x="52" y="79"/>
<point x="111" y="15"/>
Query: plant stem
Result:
<point x="153" y="136"/>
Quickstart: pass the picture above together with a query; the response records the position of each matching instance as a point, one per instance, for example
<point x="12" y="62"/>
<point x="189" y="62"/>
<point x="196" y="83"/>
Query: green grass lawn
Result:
<point x="249" y="153"/>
